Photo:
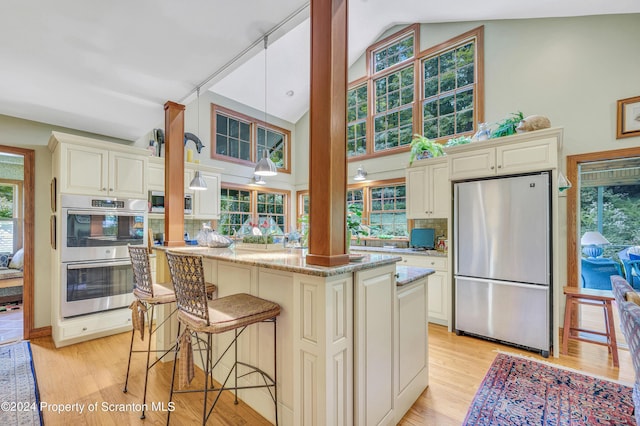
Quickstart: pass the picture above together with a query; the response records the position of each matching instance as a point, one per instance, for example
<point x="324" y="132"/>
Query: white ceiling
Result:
<point x="109" y="67"/>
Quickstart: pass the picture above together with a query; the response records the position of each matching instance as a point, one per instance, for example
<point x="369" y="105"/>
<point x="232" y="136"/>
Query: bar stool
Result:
<point x="234" y="312"/>
<point x="147" y="295"/>
<point x="582" y="296"/>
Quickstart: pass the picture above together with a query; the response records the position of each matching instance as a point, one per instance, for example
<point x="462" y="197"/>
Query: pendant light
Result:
<point x="265" y="167"/>
<point x="198" y="183"/>
<point x="563" y="182"/>
<point x="361" y="174"/>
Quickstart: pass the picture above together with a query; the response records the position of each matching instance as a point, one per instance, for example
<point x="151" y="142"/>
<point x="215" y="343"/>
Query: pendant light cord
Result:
<point x="266" y="43"/>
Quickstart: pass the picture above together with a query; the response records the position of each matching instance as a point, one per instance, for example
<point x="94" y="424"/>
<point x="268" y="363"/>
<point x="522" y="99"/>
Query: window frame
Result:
<point x="253" y="200"/>
<point x="366" y="196"/>
<point x="418" y="98"/>
<point x="254" y="124"/>
<point x="476" y="35"/>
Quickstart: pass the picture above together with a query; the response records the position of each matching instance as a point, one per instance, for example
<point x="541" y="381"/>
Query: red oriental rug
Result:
<point x="520" y="391"/>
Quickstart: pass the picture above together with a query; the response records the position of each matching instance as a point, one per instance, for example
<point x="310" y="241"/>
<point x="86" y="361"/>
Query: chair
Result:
<point x="596" y="273"/>
<point x="632" y="272"/>
<point x="147" y="295"/>
<point x="197" y="315"/>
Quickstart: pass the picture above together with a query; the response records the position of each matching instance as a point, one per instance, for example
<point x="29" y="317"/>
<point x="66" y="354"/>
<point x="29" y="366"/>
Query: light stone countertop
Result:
<point x="409" y="274"/>
<point x="291" y="260"/>
<point x="388" y="250"/>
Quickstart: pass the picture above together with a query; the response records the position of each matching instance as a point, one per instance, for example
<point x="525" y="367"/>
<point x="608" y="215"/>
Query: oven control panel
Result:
<point x="113" y="204"/>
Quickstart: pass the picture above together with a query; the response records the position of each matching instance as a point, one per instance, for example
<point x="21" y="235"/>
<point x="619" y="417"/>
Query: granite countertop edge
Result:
<point x="274" y="260"/>
<point x="388" y="250"/>
<point x="409" y="274"/>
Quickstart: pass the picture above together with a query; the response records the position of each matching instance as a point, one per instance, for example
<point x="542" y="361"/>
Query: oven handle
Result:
<point x="97" y="264"/>
<point x="101" y="212"/>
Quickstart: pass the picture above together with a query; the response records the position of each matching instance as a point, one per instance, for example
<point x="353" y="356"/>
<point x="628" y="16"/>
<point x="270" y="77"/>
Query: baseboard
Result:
<point x="40" y="332"/>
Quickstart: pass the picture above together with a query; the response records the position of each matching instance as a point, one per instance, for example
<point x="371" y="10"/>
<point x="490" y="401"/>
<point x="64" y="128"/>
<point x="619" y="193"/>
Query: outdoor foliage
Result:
<point x="6" y="201"/>
<point x="620" y="215"/>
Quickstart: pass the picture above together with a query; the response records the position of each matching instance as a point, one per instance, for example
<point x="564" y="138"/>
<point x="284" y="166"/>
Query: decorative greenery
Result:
<point x="304" y="227"/>
<point x="354" y="221"/>
<point x="458" y="141"/>
<point x="384" y="236"/>
<point x="507" y="126"/>
<point x="258" y="239"/>
<point x="421" y="144"/>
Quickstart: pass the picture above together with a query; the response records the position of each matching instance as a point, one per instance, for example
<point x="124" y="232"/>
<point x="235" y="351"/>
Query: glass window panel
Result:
<point x="447" y="81"/>
<point x="221" y="124"/>
<point x="406" y="116"/>
<point x="221" y="145"/>
<point x="465" y="55"/>
<point x="430" y="67"/>
<point x="447" y="105"/>
<point x="431" y="87"/>
<point x="407" y="95"/>
<point x="464" y="121"/>
<point x="245" y="131"/>
<point x="381" y="86"/>
<point x="465" y="76"/>
<point x="464" y="100"/>
<point x="430" y="109"/>
<point x="234" y="148"/>
<point x="362" y="111"/>
<point x="431" y="128"/>
<point x="234" y="128"/>
<point x="446" y="125"/>
<point x="447" y="62"/>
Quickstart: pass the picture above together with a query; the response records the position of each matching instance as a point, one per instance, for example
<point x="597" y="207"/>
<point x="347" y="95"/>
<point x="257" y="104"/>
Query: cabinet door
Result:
<point x="156" y="176"/>
<point x="473" y="164"/>
<point x="440" y="192"/>
<point x="417" y="200"/>
<point x="84" y="170"/>
<point x="412" y="358"/>
<point x="207" y="202"/>
<point x="438" y="297"/>
<point x="527" y="156"/>
<point x="127" y="175"/>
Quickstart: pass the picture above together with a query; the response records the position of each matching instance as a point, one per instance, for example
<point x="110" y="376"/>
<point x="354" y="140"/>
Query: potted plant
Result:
<point x="423" y="147"/>
<point x="354" y="224"/>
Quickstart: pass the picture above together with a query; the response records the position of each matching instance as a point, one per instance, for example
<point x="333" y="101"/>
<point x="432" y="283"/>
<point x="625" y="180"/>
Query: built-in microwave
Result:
<point x="156" y="202"/>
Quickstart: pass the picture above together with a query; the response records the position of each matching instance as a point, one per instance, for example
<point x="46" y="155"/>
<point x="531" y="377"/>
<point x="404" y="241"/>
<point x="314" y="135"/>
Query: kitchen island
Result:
<point x="351" y="345"/>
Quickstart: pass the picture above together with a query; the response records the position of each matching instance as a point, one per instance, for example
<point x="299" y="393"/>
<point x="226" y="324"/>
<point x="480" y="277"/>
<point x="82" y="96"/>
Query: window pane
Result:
<point x="451" y="72"/>
<point x="356" y="125"/>
<point x="231" y="136"/>
<point x="393" y="54"/>
<point x="221" y="145"/>
<point x="234" y="210"/>
<point x="387" y="210"/>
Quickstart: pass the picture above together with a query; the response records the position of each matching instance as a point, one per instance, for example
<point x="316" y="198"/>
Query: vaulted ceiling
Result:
<point x="109" y="67"/>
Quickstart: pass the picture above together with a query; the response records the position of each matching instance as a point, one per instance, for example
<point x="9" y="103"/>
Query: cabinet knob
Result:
<point x="103" y="189"/>
<point x="500" y="166"/>
<point x="492" y="167"/>
<point x="433" y="263"/>
<point x="110" y="189"/>
<point x="84" y="328"/>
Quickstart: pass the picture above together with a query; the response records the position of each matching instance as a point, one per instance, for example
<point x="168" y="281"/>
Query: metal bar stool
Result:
<point x="583" y="296"/>
<point x="147" y="296"/>
<point x="234" y="312"/>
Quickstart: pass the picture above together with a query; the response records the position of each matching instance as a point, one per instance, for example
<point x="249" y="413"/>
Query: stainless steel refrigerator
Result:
<point x="502" y="271"/>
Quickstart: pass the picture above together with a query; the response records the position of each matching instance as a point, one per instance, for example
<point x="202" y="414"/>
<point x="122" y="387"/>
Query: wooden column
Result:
<point x="173" y="174"/>
<point x="327" y="146"/>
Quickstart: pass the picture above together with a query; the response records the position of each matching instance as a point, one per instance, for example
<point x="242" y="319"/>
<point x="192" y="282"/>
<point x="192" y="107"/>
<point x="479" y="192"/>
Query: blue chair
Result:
<point x="596" y="273"/>
<point x="632" y="272"/>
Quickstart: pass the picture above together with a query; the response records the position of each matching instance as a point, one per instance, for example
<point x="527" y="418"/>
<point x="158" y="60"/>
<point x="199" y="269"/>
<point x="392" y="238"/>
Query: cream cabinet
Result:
<point x="439" y="285"/>
<point x="206" y="203"/>
<point x="428" y="190"/>
<point x="509" y="155"/>
<point x="411" y="348"/>
<point x="89" y="167"/>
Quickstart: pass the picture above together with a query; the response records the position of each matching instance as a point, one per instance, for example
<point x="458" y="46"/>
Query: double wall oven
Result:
<point x="96" y="270"/>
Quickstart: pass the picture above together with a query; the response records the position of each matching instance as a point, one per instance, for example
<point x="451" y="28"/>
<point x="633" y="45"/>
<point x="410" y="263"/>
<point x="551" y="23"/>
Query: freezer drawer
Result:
<point x="514" y="313"/>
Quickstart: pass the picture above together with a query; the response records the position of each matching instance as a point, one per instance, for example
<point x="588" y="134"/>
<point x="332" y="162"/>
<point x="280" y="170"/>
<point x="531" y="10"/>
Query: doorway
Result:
<point x="602" y="221"/>
<point x="17" y="196"/>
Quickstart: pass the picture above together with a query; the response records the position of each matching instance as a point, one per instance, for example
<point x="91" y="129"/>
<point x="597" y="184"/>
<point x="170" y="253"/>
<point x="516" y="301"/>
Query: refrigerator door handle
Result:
<point x="506" y="283"/>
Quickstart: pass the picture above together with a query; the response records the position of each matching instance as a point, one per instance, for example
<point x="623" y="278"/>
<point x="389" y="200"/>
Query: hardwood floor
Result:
<point x="93" y="372"/>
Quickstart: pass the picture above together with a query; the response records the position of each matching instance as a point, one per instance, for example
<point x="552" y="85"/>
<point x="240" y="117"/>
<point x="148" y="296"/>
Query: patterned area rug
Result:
<point x="519" y="391"/>
<point x="19" y="398"/>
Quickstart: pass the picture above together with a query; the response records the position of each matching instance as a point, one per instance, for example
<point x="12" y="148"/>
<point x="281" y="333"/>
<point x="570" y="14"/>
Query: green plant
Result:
<point x="421" y="144"/>
<point x="508" y="126"/>
<point x="458" y="141"/>
<point x="258" y="239"/>
<point x="354" y="221"/>
<point x="304" y="227"/>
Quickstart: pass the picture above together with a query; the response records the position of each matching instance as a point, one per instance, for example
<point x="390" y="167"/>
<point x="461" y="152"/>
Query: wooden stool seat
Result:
<point x="603" y="298"/>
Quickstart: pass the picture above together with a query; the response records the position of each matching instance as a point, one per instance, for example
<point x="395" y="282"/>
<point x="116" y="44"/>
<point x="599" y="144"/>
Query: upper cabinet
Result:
<point x="522" y="153"/>
<point x="206" y="203"/>
<point x="93" y="167"/>
<point x="428" y="189"/>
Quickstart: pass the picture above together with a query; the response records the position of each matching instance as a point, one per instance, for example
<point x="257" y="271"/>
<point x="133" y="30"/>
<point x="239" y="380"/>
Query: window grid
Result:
<point x="357" y="111"/>
<point x="235" y="209"/>
<point x="393" y="54"/>
<point x="393" y="124"/>
<point x="449" y="91"/>
<point x="239" y="138"/>
<point x="387" y="210"/>
<point x="274" y="143"/>
<point x="272" y="204"/>
<point x="233" y="137"/>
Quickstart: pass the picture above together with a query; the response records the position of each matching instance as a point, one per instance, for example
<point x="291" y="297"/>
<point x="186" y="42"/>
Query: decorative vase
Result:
<point x="483" y="132"/>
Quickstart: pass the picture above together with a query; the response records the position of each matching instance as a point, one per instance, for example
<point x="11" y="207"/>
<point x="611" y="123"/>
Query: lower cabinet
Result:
<point x="438" y="287"/>
<point x="411" y="345"/>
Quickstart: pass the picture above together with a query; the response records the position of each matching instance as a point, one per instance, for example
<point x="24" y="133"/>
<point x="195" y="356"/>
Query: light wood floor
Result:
<point x="93" y="372"/>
